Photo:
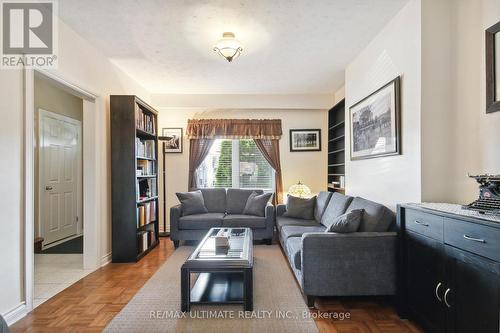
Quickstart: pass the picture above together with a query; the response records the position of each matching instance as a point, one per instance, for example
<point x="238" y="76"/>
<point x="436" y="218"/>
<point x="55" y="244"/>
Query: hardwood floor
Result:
<point x="91" y="303"/>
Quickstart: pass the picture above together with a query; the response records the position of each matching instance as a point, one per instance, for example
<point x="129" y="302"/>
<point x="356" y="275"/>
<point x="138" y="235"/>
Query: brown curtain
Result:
<point x="234" y="128"/>
<point x="198" y="150"/>
<point x="270" y="149"/>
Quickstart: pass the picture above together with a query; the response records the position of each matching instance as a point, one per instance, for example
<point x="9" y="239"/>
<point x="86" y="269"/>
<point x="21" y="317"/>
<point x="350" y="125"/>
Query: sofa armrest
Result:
<point x="269" y="210"/>
<point x="280" y="209"/>
<point x="175" y="214"/>
<point x="349" y="264"/>
<point x="270" y="217"/>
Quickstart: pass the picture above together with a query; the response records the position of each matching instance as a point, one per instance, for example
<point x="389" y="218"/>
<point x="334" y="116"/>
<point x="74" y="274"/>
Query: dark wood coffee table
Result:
<point x="219" y="278"/>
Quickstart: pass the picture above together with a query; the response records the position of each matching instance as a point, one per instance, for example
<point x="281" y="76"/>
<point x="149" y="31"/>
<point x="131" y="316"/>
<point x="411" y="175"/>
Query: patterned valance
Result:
<point x="234" y="129"/>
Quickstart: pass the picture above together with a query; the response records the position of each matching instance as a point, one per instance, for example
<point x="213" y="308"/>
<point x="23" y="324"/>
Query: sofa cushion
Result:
<point x="336" y="206"/>
<point x="201" y="221"/>
<point x="294" y="249"/>
<point x="321" y="203"/>
<point x="239" y="220"/>
<point x="300" y="208"/>
<point x="283" y="220"/>
<point x="192" y="202"/>
<point x="215" y="199"/>
<point x="347" y="222"/>
<point x="296" y="230"/>
<point x="376" y="218"/>
<point x="256" y="204"/>
<point x="236" y="199"/>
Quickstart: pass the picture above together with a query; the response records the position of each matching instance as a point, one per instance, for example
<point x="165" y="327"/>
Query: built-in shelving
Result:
<point x="336" y="148"/>
<point x="134" y="149"/>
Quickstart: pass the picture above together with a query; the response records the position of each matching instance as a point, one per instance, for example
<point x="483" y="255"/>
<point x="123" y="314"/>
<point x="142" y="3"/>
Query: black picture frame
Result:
<point x="492" y="63"/>
<point x="396" y="118"/>
<point x="295" y="148"/>
<point x="172" y="136"/>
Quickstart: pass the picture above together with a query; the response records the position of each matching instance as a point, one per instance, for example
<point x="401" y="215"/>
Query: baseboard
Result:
<point x="106" y="259"/>
<point x="15" y="314"/>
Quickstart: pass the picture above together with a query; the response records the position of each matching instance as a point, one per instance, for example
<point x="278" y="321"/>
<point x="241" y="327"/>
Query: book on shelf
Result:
<point x="145" y="148"/>
<point x="145" y="121"/>
<point x="146" y="239"/>
<point x="146" y="188"/>
<point x="146" y="168"/>
<point x="152" y="211"/>
<point x="146" y="213"/>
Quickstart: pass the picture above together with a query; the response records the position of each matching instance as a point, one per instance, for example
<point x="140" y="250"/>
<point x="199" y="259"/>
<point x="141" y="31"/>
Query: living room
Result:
<point x="328" y="166"/>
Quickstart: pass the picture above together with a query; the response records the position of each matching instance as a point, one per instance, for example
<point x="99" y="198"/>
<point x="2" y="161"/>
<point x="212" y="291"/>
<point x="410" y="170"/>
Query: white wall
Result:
<point x="11" y="178"/>
<point x="339" y="95"/>
<point x="84" y="66"/>
<point x="477" y="134"/>
<point x="246" y="101"/>
<point x="438" y="47"/>
<point x="308" y="167"/>
<point x="437" y="121"/>
<point x="394" y="51"/>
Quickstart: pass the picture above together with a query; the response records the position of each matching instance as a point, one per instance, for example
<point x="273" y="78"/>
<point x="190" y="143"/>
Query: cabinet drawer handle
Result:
<point x="479" y="240"/>
<point x="421" y="223"/>
<point x="446" y="297"/>
<point x="437" y="291"/>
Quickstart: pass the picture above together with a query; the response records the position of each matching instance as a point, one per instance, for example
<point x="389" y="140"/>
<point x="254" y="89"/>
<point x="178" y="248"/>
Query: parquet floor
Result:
<point x="89" y="304"/>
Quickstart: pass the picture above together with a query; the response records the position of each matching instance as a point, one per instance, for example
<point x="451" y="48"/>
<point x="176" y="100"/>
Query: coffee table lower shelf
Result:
<point x="218" y="287"/>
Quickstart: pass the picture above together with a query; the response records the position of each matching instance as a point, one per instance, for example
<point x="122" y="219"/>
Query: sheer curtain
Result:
<point x="270" y="149"/>
<point x="198" y="150"/>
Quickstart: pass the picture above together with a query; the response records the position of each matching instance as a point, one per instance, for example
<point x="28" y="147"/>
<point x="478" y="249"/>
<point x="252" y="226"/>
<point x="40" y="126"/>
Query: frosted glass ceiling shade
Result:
<point x="228" y="47"/>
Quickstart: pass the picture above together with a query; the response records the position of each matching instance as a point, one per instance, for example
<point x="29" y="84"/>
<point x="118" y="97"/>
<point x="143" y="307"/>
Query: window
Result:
<point x="237" y="164"/>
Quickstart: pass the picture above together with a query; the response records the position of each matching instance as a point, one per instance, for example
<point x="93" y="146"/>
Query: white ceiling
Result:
<point x="290" y="46"/>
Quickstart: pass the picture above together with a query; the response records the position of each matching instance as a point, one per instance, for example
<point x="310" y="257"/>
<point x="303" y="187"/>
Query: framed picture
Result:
<point x="305" y="140"/>
<point x="375" y="123"/>
<point x="172" y="140"/>
<point x="493" y="68"/>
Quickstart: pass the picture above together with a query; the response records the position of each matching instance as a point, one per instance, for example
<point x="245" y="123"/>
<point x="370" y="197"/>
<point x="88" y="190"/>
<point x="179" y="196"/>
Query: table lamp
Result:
<point x="299" y="190"/>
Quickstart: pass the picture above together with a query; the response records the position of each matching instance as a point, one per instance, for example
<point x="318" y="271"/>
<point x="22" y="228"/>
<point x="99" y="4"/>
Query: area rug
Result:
<point x="278" y="303"/>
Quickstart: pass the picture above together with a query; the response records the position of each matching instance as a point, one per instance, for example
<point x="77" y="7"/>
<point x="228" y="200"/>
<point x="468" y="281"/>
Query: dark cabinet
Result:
<point x="425" y="280"/>
<point x="473" y="299"/>
<point x="448" y="280"/>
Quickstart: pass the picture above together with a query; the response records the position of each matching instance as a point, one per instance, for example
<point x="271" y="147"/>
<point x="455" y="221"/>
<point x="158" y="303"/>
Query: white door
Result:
<point x="60" y="161"/>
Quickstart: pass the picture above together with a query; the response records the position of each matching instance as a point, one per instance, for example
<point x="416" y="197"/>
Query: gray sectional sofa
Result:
<point x="225" y="209"/>
<point x="341" y="264"/>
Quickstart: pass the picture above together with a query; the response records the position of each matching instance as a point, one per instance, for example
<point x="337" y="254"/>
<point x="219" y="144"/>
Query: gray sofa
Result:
<point x="341" y="264"/>
<point x="225" y="209"/>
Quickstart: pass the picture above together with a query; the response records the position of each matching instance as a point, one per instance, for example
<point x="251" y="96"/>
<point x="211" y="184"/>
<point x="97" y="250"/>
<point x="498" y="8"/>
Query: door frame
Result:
<point x="92" y="143"/>
<point x="79" y="198"/>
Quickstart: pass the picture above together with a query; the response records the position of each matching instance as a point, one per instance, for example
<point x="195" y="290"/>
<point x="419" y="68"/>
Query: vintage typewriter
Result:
<point x="489" y="195"/>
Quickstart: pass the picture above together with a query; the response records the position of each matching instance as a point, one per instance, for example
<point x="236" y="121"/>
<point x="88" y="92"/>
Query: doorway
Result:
<point x="58" y="193"/>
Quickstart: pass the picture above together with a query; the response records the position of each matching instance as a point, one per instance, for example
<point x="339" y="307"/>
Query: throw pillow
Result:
<point x="256" y="204"/>
<point x="192" y="202"/>
<point x="348" y="222"/>
<point x="300" y="208"/>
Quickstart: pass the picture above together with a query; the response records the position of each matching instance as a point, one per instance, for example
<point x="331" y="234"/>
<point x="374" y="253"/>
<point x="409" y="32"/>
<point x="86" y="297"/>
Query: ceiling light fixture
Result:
<point x="228" y="47"/>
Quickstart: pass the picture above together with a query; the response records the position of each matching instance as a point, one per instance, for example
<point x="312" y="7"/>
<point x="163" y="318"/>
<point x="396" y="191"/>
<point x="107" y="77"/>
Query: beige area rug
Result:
<point x="278" y="303"/>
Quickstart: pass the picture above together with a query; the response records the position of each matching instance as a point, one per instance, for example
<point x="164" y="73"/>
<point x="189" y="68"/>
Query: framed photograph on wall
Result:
<point x="172" y="138"/>
<point x="493" y="68"/>
<point x="305" y="140"/>
<point x="375" y="123"/>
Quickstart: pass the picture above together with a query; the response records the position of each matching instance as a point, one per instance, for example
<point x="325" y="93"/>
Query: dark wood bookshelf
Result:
<point x="128" y="114"/>
<point x="336" y="146"/>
